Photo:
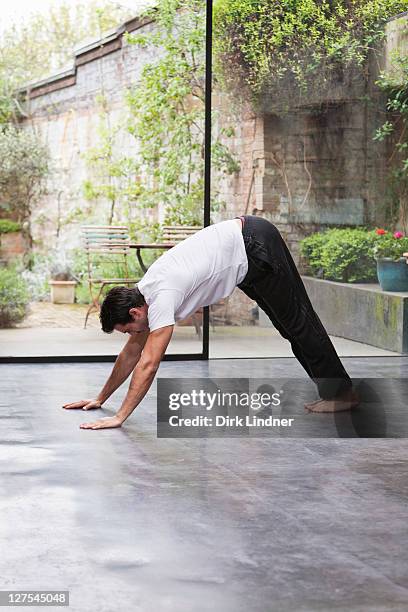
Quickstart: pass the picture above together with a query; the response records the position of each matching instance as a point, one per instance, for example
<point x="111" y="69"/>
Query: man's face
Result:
<point x="138" y="324"/>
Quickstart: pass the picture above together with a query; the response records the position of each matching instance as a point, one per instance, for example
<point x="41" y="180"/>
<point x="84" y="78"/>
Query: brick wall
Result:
<point x="315" y="166"/>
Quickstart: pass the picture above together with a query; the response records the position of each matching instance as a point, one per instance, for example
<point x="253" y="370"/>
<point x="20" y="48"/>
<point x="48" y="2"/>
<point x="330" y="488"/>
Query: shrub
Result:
<point x="345" y="255"/>
<point x="23" y="171"/>
<point x="7" y="226"/>
<point x="14" y="297"/>
<point x="311" y="249"/>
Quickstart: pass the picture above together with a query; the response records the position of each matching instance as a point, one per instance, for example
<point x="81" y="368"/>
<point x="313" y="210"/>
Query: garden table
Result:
<point x="139" y="246"/>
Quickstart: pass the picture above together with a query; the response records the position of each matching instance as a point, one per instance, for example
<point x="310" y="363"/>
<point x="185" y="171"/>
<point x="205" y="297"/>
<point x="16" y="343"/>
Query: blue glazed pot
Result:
<point x="393" y="275"/>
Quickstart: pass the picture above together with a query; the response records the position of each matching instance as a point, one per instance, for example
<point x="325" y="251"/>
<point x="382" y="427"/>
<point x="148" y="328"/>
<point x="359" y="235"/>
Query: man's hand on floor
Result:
<point x="87" y="404"/>
<point x="105" y="423"/>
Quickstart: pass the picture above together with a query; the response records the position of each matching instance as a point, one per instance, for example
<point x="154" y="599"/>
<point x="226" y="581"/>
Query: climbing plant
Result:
<point x="281" y="53"/>
<point x="394" y="131"/>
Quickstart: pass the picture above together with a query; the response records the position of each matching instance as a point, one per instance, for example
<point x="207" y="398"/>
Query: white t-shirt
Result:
<point x="199" y="271"/>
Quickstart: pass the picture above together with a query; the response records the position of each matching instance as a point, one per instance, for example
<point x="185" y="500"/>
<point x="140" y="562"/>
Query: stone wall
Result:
<point x="64" y="110"/>
<point x="12" y="245"/>
<point x="317" y="166"/>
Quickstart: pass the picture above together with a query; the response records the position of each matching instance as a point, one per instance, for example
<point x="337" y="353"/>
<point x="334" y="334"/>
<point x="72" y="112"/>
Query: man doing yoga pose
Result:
<point x="246" y="252"/>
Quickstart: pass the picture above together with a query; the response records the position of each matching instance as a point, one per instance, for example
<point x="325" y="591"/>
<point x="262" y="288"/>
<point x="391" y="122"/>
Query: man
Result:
<point x="247" y="252"/>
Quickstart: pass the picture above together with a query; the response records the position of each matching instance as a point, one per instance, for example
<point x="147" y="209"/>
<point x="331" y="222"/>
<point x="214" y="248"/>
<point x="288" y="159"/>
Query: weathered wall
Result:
<point x="301" y="170"/>
<point x="316" y="166"/>
<point x="65" y="111"/>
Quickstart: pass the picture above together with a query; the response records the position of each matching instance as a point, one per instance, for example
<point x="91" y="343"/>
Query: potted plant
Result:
<point x="62" y="283"/>
<point x="392" y="268"/>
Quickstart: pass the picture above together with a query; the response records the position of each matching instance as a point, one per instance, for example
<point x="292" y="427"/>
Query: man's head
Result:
<point x="124" y="309"/>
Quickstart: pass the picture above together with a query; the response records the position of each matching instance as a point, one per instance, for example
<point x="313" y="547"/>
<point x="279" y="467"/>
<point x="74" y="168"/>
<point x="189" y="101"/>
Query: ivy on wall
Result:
<point x="292" y="49"/>
<point x="394" y="83"/>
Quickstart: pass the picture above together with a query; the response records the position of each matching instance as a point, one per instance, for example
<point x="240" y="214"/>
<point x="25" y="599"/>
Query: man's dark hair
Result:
<point x="116" y="305"/>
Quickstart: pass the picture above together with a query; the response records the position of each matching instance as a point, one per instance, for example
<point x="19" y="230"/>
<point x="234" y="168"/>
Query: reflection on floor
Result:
<point x="224" y="342"/>
<point x="126" y="521"/>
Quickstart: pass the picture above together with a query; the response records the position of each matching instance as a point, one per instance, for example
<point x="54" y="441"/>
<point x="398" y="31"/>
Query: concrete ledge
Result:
<point x="361" y="312"/>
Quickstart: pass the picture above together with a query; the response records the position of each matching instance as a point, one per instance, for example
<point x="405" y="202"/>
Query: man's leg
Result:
<point x="297" y="351"/>
<point x="277" y="287"/>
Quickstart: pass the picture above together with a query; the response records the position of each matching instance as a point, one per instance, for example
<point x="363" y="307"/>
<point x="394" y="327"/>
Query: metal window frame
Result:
<point x="206" y="221"/>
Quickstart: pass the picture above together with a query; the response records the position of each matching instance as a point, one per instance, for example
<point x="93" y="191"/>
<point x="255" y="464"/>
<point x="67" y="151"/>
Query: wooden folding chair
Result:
<point x="176" y="233"/>
<point x="107" y="245"/>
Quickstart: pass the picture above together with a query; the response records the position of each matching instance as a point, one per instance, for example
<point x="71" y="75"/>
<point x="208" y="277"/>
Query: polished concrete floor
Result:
<point x="129" y="522"/>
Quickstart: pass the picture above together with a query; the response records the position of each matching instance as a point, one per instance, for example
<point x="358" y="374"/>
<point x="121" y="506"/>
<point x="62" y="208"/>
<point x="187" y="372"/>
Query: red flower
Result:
<point x="380" y="232"/>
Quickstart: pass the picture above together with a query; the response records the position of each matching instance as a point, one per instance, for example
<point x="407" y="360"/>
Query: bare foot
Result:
<point x="313" y="403"/>
<point x="345" y="401"/>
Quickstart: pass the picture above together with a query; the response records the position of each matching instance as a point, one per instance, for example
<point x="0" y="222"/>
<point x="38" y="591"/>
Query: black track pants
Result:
<point x="274" y="282"/>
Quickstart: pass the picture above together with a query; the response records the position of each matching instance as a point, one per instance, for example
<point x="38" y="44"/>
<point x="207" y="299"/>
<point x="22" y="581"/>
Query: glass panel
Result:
<point x="304" y="137"/>
<point x="113" y="141"/>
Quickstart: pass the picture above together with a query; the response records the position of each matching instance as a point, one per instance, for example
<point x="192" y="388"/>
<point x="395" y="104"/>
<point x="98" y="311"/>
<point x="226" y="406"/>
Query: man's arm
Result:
<point x="124" y="365"/>
<point x="142" y="378"/>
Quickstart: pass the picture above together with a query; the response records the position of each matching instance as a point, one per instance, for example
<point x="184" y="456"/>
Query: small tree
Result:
<point x="167" y="114"/>
<point x="24" y="167"/>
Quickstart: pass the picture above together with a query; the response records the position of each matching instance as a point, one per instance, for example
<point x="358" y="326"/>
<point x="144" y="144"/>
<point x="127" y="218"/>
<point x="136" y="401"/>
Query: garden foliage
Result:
<point x="14" y="297"/>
